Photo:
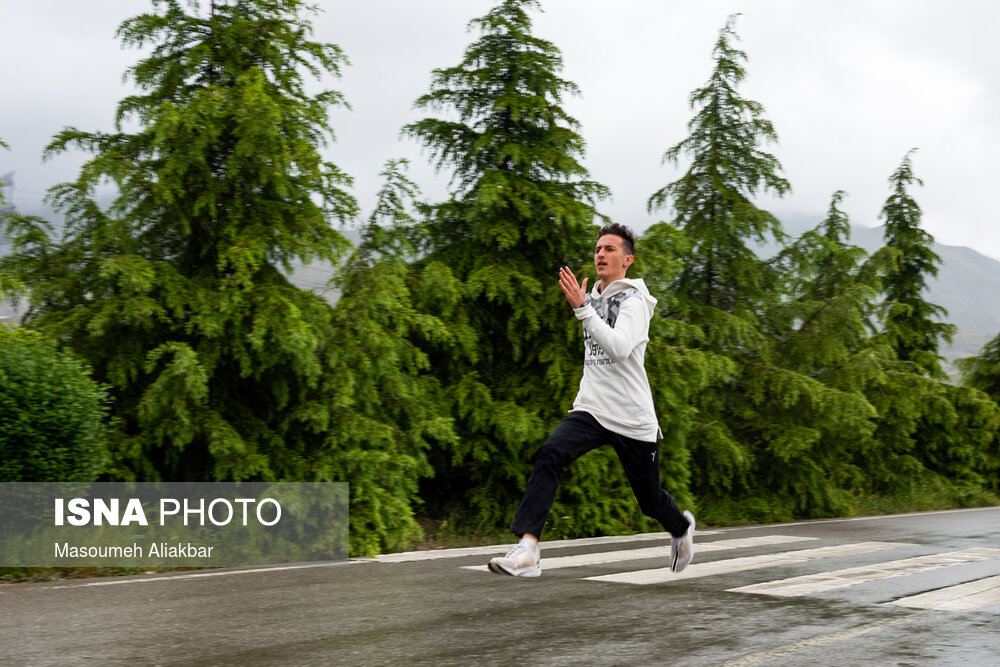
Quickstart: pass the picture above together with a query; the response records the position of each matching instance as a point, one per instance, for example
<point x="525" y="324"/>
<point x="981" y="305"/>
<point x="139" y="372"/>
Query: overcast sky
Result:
<point x="850" y="86"/>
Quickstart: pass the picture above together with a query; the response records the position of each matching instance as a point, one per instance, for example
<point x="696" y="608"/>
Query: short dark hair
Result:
<point x="628" y="238"/>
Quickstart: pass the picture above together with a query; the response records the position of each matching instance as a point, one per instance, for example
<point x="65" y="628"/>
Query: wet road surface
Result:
<point x="916" y="589"/>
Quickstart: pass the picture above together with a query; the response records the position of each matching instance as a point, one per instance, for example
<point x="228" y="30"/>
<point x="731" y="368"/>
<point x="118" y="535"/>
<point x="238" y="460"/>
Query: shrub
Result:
<point x="52" y="414"/>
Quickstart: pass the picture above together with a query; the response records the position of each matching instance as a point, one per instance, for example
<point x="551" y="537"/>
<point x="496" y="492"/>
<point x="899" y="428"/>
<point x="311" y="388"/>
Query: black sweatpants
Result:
<point x="576" y="435"/>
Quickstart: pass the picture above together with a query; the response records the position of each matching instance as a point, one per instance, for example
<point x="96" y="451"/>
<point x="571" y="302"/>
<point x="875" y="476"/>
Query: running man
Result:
<point x="614" y="406"/>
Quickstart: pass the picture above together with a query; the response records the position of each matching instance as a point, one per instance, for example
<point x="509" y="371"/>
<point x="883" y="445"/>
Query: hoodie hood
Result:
<point x="621" y="285"/>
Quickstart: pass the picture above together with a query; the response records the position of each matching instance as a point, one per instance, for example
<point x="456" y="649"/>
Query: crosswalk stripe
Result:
<point x="662" y="551"/>
<point x="495" y="549"/>
<point x="663" y="574"/>
<point x="826" y="581"/>
<point x="969" y="596"/>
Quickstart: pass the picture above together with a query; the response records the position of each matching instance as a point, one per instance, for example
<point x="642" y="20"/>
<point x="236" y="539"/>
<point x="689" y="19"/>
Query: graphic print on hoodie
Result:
<point x="614" y="388"/>
<point x="607" y="310"/>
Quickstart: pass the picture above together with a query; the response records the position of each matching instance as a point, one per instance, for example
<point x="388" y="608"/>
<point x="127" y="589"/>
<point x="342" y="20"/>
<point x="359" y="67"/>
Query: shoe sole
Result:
<point x="673" y="564"/>
<point x="527" y="572"/>
<point x="496" y="569"/>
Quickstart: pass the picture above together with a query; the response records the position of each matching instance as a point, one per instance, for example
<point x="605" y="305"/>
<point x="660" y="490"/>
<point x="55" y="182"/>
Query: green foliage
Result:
<point x="831" y="289"/>
<point x="981" y="376"/>
<point x="680" y="367"/>
<point x="982" y="372"/>
<point x="758" y="430"/>
<point x="522" y="207"/>
<point x="10" y="287"/>
<point x="932" y="439"/>
<point x="785" y="388"/>
<point x="967" y="451"/>
<point x="712" y="201"/>
<point x="174" y="293"/>
<point x="932" y="435"/>
<point x="910" y="321"/>
<point x="385" y="408"/>
<point x="52" y="413"/>
<point x="806" y="410"/>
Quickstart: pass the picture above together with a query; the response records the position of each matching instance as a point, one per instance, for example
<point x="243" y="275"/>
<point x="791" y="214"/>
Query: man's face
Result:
<point x="610" y="259"/>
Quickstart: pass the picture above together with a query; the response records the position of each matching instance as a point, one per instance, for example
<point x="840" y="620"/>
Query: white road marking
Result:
<point x="500" y="549"/>
<point x="969" y="596"/>
<point x="663" y="574"/>
<point x="874" y="517"/>
<point x="200" y="575"/>
<point x="826" y="581"/>
<point x="504" y="548"/>
<point x="822" y="640"/>
<point x="662" y="551"/>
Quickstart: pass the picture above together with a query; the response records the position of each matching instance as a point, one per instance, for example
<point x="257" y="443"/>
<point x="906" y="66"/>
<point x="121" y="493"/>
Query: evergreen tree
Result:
<point x="982" y="371"/>
<point x="721" y="283"/>
<point x="386" y="408"/>
<point x="826" y="326"/>
<point x="10" y="287"/>
<point x="175" y="293"/>
<point x="769" y="439"/>
<point x="522" y="206"/>
<point x="830" y="293"/>
<point x="981" y="377"/>
<point x="679" y="367"/>
<point x="911" y="325"/>
<point x="713" y="200"/>
<point x="936" y="444"/>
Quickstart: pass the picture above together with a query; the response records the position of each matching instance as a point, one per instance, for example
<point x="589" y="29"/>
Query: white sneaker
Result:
<point x="682" y="548"/>
<point x="522" y="561"/>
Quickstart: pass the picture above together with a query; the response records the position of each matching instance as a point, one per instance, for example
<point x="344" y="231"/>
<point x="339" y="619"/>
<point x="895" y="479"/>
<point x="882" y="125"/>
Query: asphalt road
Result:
<point x="917" y="589"/>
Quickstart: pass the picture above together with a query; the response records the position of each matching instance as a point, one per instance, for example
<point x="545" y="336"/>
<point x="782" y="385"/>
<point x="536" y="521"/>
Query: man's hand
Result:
<point x="575" y="293"/>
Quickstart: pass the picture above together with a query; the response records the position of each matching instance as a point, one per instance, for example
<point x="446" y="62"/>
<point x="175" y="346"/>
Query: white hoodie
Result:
<point x="614" y="388"/>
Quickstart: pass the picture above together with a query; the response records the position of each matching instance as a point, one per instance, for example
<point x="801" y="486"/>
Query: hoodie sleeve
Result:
<point x="631" y="328"/>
